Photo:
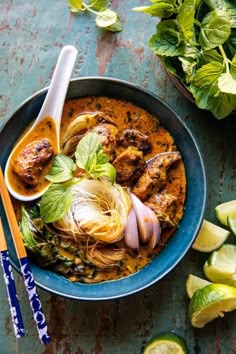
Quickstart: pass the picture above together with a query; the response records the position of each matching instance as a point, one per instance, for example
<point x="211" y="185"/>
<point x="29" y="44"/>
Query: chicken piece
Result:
<point x="164" y="206"/>
<point x="155" y="174"/>
<point x="78" y="127"/>
<point x="31" y="159"/>
<point x="129" y="166"/>
<point x="108" y="134"/>
<point x="136" y="138"/>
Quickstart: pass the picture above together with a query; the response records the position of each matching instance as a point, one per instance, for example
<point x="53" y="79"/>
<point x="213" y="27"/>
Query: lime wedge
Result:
<point x="165" y="343"/>
<point x="224" y="210"/>
<point x="210" y="237"/>
<point x="232" y="224"/>
<point x="195" y="283"/>
<point x="221" y="265"/>
<point x="211" y="302"/>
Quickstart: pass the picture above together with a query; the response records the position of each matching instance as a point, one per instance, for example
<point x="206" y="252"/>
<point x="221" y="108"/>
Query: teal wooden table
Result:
<point x="31" y="36"/>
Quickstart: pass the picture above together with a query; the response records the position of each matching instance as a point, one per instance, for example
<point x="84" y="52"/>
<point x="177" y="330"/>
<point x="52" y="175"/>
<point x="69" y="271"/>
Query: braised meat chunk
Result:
<point x="164" y="206"/>
<point x="108" y="134"/>
<point x="136" y="138"/>
<point x="31" y="160"/>
<point x="155" y="175"/>
<point x="129" y="166"/>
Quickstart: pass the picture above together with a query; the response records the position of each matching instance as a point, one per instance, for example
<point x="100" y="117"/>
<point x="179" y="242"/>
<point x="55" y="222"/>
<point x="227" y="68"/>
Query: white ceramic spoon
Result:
<point x="52" y="107"/>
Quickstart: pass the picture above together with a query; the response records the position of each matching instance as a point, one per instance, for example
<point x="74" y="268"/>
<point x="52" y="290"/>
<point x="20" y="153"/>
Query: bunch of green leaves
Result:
<point x="105" y="17"/>
<point x="90" y="158"/>
<point x="196" y="41"/>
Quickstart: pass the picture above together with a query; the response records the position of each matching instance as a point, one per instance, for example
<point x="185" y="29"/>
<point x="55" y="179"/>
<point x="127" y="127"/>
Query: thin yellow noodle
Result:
<point x="98" y="210"/>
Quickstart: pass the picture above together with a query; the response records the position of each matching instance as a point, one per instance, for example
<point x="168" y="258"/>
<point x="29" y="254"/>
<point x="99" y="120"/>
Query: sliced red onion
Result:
<point x="131" y="232"/>
<point x="156" y="232"/>
<point x="145" y="225"/>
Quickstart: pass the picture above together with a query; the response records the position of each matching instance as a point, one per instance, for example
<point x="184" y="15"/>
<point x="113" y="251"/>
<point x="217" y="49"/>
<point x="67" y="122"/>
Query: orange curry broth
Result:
<point x="127" y="115"/>
<point x="45" y="129"/>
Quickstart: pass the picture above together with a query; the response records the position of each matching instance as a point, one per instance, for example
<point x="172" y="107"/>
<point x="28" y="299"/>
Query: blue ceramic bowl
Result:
<point x="183" y="238"/>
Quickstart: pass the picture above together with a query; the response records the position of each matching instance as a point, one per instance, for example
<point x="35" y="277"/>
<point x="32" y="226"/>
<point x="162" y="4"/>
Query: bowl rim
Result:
<point x="128" y="287"/>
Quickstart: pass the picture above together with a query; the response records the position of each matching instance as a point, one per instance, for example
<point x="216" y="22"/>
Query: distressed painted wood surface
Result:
<point x="31" y="35"/>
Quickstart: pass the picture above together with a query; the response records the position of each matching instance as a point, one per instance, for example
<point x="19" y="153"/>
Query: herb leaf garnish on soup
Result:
<point x="117" y="193"/>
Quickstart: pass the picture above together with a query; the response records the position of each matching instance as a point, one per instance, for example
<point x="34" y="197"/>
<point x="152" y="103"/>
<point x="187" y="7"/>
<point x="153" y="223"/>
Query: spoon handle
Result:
<point x="54" y="101"/>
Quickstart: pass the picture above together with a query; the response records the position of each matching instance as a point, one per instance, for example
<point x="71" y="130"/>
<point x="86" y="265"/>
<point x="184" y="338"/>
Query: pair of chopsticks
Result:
<point x="25" y="269"/>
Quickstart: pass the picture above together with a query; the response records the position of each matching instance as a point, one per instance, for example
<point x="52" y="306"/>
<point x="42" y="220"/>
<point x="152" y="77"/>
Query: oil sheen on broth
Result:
<point x="126" y="115"/>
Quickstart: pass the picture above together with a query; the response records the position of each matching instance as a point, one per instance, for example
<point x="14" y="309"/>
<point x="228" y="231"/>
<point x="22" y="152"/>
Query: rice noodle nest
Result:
<point x="98" y="210"/>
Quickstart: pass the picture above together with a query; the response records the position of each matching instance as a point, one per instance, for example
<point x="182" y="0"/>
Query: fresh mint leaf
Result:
<point x="232" y="17"/>
<point x="211" y="56"/>
<point x="227" y="83"/>
<point x="185" y="18"/>
<point x="115" y="27"/>
<point x="75" y="5"/>
<point x="106" y="18"/>
<point x="106" y="169"/>
<point x="167" y="41"/>
<point x="161" y="8"/>
<point x="26" y="230"/>
<point x="233" y="67"/>
<point x="189" y="66"/>
<point x="86" y="150"/>
<point x="207" y="74"/>
<point x="215" y="4"/>
<point x="215" y="29"/>
<point x="100" y="5"/>
<point x="203" y="80"/>
<point x="55" y="202"/>
<point x="220" y="104"/>
<point x="230" y="8"/>
<point x="62" y="169"/>
<point x="102" y="158"/>
<point x="90" y="157"/>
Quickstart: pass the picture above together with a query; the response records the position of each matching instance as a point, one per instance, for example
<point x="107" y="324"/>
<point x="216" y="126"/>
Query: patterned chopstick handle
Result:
<point x="34" y="300"/>
<point x="12" y="295"/>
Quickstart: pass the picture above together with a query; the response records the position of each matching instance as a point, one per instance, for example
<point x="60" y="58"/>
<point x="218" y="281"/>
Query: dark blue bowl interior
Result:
<point x="183" y="238"/>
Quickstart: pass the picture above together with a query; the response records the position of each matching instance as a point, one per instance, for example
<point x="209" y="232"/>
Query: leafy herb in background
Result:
<point x="105" y="18"/>
<point x="196" y="41"/>
<point x="89" y="157"/>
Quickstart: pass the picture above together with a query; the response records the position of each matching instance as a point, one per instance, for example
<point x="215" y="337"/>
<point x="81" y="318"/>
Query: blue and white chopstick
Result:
<point x="10" y="286"/>
<point x="24" y="263"/>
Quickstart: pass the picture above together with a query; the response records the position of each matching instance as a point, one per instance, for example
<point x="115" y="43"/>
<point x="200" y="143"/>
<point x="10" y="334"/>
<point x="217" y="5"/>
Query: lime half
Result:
<point x="211" y="302"/>
<point x="221" y="265"/>
<point x="224" y="210"/>
<point x="195" y="283"/>
<point x="210" y="237"/>
<point x="166" y="343"/>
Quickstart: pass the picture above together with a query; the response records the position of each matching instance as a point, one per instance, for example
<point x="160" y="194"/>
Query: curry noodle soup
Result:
<point x="147" y="165"/>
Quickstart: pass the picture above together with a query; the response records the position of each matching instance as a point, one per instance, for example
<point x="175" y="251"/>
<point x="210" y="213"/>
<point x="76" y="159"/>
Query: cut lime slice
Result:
<point x="221" y="265"/>
<point x="210" y="237"/>
<point x="165" y="343"/>
<point x="224" y="210"/>
<point x="232" y="224"/>
<point x="195" y="283"/>
<point x="211" y="302"/>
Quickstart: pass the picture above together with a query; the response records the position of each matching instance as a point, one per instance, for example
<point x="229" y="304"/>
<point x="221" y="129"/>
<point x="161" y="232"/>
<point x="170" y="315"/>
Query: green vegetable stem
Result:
<point x="196" y="41"/>
<point x="105" y="18"/>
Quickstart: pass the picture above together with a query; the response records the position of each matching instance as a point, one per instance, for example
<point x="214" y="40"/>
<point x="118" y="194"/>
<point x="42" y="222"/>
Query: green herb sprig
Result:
<point x="196" y="41"/>
<point x="89" y="157"/>
<point x="105" y="18"/>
